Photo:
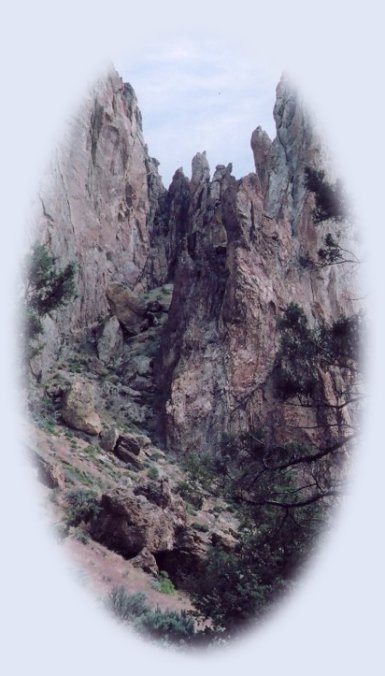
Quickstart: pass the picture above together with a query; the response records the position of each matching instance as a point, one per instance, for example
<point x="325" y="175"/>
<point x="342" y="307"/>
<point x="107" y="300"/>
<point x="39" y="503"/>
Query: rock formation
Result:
<point x="98" y="202"/>
<point x="170" y="349"/>
<point x="232" y="248"/>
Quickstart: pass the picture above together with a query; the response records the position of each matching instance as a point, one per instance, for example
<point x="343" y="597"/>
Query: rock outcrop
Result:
<point x="97" y="204"/>
<point x="234" y="251"/>
<point x="130" y="522"/>
<point x="79" y="408"/>
<point x="170" y="358"/>
<point x="239" y="268"/>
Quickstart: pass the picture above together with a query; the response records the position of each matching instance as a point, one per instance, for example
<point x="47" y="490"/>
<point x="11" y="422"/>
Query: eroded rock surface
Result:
<point x="240" y="266"/>
<point x="79" y="408"/>
<point x="97" y="203"/>
<point x="130" y="522"/>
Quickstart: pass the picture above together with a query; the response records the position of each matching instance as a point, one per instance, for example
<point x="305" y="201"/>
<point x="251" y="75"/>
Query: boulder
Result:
<point x="133" y="443"/>
<point x="111" y="341"/>
<point x="157" y="492"/>
<point x="49" y="473"/>
<point x="146" y="561"/>
<point x="127" y="523"/>
<point x="125" y="455"/>
<point x="108" y="438"/>
<point x="223" y="540"/>
<point x="126" y="306"/>
<point x="78" y="410"/>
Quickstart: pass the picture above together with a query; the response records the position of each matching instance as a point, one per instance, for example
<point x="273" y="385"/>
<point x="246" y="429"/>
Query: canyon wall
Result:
<point x="234" y="250"/>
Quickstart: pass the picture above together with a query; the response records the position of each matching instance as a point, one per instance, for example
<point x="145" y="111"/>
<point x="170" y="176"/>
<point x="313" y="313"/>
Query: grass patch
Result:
<point x="49" y="427"/>
<point x="74" y="474"/>
<point x="156" y="455"/>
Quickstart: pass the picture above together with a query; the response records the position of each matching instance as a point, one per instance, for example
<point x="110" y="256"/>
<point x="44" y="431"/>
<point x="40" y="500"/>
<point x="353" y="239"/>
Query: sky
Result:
<point x="197" y="96"/>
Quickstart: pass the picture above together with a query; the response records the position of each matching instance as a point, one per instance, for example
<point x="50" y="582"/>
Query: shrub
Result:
<point x="329" y="198"/>
<point x="126" y="607"/>
<point x="153" y="473"/>
<point x="163" y="584"/>
<point x="169" y="625"/>
<point x="83" y="506"/>
<point x="202" y="468"/>
<point x="46" y="288"/>
<point x="200" y="526"/>
<point x="190" y="494"/>
<point x="229" y="592"/>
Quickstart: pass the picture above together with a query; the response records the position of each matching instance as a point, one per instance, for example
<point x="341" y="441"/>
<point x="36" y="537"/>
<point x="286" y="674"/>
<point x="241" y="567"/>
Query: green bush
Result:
<point x="46" y="289"/>
<point x="330" y="202"/>
<point x="163" y="584"/>
<point x="153" y="473"/>
<point x="83" y="505"/>
<point x="170" y="625"/>
<point x="127" y="607"/>
<point x="200" y="526"/>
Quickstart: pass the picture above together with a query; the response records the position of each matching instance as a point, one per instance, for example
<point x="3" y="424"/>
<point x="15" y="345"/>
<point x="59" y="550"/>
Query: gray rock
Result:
<point x="126" y="456"/>
<point x="111" y="341"/>
<point x="146" y="562"/>
<point x="108" y="438"/>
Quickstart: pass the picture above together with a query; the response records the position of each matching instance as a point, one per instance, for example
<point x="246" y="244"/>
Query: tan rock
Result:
<point x="78" y="410"/>
<point x="128" y="523"/>
<point x="126" y="306"/>
<point x="97" y="202"/>
<point x="49" y="473"/>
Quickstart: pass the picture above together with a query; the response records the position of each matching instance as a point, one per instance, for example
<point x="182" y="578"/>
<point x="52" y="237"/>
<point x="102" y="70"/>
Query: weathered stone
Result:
<point x="126" y="306"/>
<point x="261" y="145"/>
<point x="157" y="492"/>
<point x="130" y="443"/>
<point x="49" y="473"/>
<point x="223" y="540"/>
<point x="108" y="438"/>
<point x="97" y="204"/>
<point x="122" y="453"/>
<point x="188" y="556"/>
<point x="111" y="341"/>
<point x="146" y="561"/>
<point x="78" y="410"/>
<point x="237" y="270"/>
<point x="127" y="523"/>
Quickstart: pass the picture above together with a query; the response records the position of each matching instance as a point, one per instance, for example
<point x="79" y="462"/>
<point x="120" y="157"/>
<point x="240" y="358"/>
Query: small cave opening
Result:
<point x="180" y="566"/>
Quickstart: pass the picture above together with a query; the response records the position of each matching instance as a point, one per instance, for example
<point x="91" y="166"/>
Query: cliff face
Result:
<point x="233" y="249"/>
<point x="98" y="203"/>
<point x="240" y="267"/>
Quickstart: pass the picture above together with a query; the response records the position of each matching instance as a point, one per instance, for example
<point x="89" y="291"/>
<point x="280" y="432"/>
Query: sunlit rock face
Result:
<point x="234" y="250"/>
<point x="241" y="265"/>
<point x="98" y="202"/>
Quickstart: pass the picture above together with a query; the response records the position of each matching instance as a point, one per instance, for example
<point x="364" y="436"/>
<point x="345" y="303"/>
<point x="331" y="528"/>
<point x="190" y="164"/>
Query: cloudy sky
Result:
<point x="200" y="97"/>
